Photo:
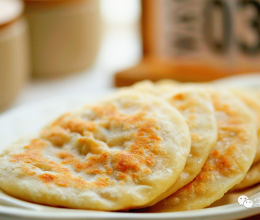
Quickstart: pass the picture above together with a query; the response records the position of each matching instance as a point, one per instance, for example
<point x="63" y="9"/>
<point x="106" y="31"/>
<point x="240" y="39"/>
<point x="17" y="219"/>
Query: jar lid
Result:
<point x="10" y="10"/>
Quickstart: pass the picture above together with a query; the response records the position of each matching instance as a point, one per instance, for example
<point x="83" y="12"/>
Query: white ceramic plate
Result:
<point x="28" y="119"/>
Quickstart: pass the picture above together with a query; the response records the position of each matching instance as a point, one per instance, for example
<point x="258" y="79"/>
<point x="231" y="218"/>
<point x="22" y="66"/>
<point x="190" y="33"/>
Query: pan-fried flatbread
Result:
<point x="196" y="106"/>
<point x="253" y="103"/>
<point x="116" y="154"/>
<point x="252" y="177"/>
<point x="228" y="162"/>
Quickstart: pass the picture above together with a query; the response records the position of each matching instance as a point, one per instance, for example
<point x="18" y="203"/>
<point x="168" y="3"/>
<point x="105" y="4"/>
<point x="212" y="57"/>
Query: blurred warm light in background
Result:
<point x="120" y="11"/>
<point x="121" y="46"/>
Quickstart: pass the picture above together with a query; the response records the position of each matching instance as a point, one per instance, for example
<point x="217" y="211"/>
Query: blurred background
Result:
<point x="64" y="46"/>
<point x="58" y="47"/>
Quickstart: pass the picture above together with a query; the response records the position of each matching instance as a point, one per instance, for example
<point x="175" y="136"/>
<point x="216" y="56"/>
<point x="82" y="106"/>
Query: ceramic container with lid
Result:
<point x="65" y="35"/>
<point x="14" y="52"/>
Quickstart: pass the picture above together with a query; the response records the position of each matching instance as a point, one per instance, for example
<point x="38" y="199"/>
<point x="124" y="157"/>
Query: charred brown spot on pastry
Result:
<point x="95" y="164"/>
<point x="31" y="153"/>
<point x="61" y="176"/>
<point x="79" y="126"/>
<point x="46" y="177"/>
<point x="178" y="97"/>
<point x="216" y="153"/>
<point x="57" y="135"/>
<point x="128" y="162"/>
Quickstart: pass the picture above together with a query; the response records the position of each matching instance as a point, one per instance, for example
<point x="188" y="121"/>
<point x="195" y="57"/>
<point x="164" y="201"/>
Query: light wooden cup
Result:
<point x="65" y="35"/>
<point x="14" y="51"/>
